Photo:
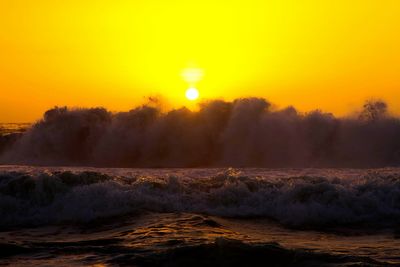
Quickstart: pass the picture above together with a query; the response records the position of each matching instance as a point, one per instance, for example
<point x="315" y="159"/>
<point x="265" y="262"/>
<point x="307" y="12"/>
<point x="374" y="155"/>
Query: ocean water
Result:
<point x="63" y="216"/>
<point x="9" y="128"/>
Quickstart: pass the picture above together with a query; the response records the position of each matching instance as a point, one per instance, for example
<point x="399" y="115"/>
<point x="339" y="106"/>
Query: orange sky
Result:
<point x="330" y="55"/>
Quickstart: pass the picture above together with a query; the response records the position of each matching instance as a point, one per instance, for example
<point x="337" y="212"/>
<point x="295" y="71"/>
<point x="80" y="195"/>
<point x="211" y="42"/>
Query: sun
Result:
<point x="192" y="93"/>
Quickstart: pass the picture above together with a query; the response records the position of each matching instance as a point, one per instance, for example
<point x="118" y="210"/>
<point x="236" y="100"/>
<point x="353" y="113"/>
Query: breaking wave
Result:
<point x="44" y="197"/>
<point x="245" y="132"/>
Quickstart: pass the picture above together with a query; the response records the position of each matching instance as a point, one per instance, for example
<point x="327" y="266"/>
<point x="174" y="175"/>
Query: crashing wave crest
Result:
<point x="245" y="132"/>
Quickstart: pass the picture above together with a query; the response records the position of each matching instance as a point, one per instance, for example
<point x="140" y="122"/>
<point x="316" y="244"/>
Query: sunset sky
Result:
<point x="330" y="55"/>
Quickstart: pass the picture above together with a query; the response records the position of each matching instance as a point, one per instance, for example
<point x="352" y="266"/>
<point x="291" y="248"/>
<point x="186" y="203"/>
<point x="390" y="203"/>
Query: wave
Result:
<point x="221" y="252"/>
<point x="44" y="197"/>
<point x="227" y="252"/>
<point x="245" y="132"/>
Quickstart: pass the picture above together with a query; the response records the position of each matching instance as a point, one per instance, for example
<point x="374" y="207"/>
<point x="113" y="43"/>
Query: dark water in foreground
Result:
<point x="197" y="217"/>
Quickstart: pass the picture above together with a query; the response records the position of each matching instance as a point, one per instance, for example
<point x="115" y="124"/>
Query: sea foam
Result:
<point x="42" y="197"/>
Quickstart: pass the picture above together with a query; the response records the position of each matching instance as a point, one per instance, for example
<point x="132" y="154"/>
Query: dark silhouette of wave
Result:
<point x="241" y="133"/>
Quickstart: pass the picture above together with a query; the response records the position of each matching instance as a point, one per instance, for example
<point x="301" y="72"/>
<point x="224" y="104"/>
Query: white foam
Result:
<point x="310" y="198"/>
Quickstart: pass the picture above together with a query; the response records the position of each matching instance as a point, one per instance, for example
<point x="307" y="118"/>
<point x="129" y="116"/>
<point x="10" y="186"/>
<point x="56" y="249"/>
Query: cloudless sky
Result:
<point x="330" y="55"/>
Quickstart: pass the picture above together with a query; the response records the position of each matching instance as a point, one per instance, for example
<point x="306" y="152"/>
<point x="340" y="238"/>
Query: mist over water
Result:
<point x="242" y="133"/>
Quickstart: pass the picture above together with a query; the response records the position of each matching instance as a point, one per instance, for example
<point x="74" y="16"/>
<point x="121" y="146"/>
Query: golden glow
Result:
<point x="192" y="93"/>
<point x="192" y="75"/>
<point x="329" y="54"/>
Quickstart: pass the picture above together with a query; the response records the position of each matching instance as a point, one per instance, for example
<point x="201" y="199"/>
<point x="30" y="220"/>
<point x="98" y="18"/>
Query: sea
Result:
<point x="83" y="216"/>
<point x="9" y="128"/>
